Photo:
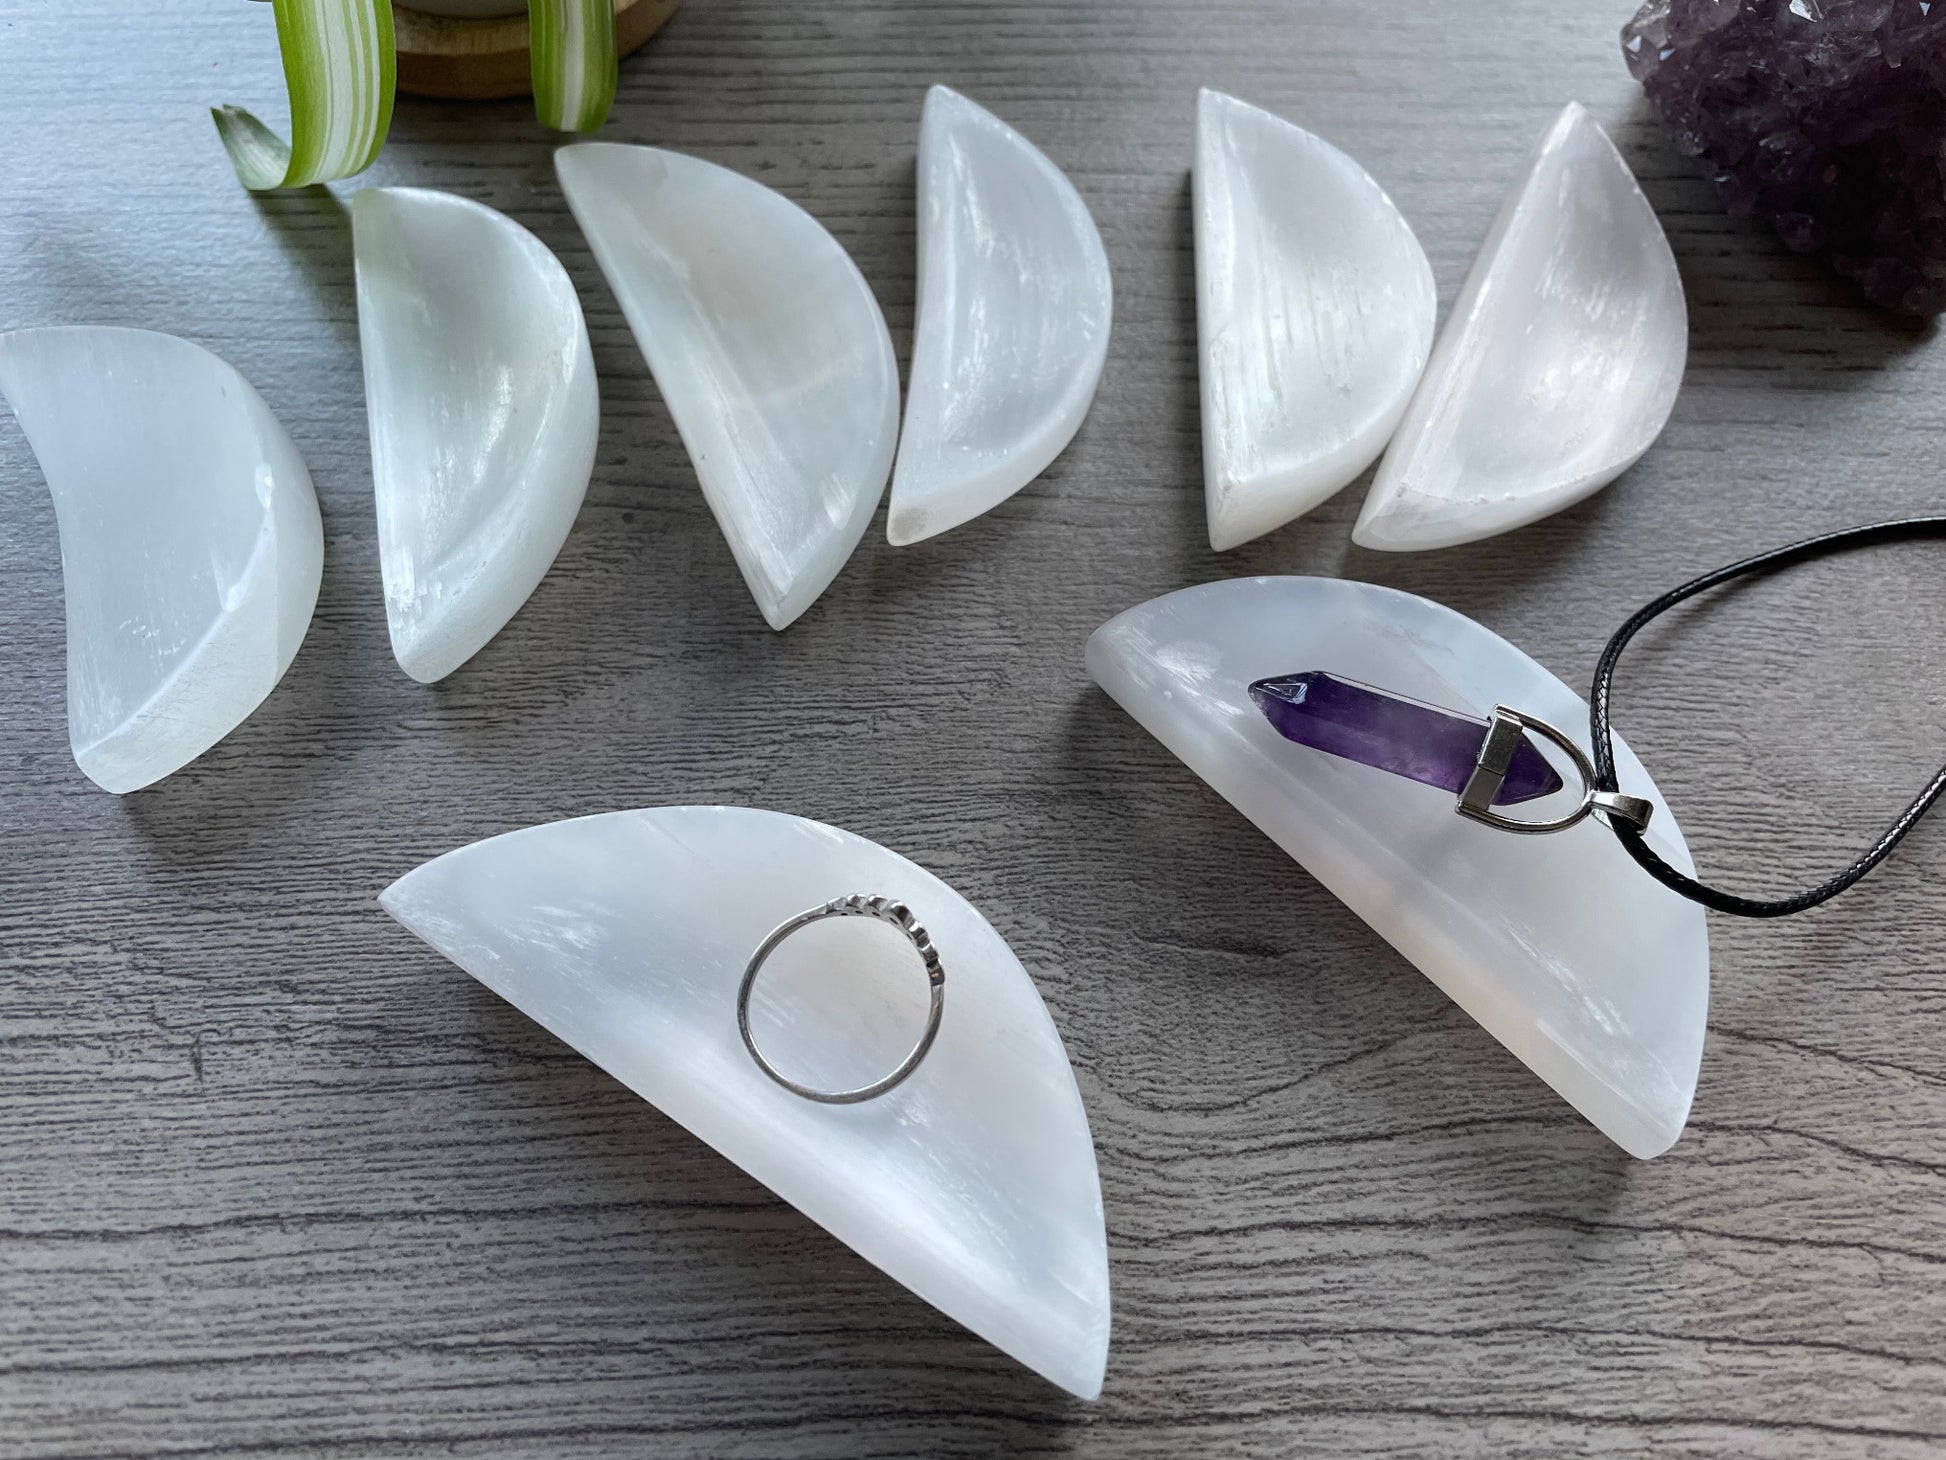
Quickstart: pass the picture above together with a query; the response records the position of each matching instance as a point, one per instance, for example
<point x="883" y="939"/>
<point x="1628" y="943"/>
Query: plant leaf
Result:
<point x="572" y="43"/>
<point x="339" y="69"/>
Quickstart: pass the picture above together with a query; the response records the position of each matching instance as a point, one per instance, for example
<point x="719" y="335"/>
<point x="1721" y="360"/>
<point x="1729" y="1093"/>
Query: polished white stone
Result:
<point x="191" y="548"/>
<point x="1012" y="326"/>
<point x="480" y="391"/>
<point x="1590" y="971"/>
<point x="768" y="347"/>
<point x="1558" y="367"/>
<point x="1314" y="312"/>
<point x="626" y="935"/>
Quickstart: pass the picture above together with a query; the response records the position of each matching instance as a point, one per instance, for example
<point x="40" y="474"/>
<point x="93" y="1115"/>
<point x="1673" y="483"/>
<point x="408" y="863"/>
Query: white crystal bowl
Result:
<point x="1590" y="971"/>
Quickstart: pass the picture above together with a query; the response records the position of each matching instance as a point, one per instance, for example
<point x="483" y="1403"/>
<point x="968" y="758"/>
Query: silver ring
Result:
<point x="856" y="906"/>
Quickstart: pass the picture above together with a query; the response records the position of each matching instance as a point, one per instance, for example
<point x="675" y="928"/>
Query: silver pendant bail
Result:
<point x="1504" y="731"/>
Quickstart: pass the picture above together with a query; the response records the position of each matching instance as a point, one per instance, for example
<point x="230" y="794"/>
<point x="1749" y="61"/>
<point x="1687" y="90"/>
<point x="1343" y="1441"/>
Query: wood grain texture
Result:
<point x="277" y="1180"/>
<point x="473" y="59"/>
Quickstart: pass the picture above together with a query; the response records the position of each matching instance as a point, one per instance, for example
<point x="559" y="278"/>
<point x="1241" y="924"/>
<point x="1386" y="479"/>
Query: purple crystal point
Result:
<point x="1392" y="733"/>
<point x="1825" y="117"/>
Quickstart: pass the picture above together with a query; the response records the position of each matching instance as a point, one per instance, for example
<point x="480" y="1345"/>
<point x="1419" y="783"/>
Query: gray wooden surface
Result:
<point x="276" y="1179"/>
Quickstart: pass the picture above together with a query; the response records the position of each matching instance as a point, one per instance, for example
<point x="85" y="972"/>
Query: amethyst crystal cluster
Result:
<point x="1827" y="117"/>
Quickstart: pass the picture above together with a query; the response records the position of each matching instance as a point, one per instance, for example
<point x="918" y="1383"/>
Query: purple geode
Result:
<point x="1826" y="117"/>
<point x="1392" y="733"/>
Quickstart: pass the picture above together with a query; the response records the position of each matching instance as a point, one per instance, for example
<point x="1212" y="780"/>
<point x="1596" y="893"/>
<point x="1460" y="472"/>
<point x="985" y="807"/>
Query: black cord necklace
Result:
<point x="1603" y="781"/>
<point x="1445" y="748"/>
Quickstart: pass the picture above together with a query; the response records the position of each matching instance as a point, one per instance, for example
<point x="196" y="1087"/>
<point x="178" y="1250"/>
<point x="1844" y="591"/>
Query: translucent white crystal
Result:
<point x="480" y="389"/>
<point x="767" y="345"/>
<point x="191" y="548"/>
<point x="1590" y="971"/>
<point x="1012" y="326"/>
<point x="1560" y="363"/>
<point x="1314" y="313"/>
<point x="973" y="1182"/>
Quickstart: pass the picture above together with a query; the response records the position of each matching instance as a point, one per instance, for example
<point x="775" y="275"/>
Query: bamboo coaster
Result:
<point x="475" y="59"/>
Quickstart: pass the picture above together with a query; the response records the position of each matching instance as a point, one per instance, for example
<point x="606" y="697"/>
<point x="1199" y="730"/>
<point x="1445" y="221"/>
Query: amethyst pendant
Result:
<point x="1389" y="732"/>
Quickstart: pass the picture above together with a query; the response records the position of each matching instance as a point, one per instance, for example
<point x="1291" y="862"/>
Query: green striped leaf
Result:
<point x="339" y="69"/>
<point x="572" y="43"/>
